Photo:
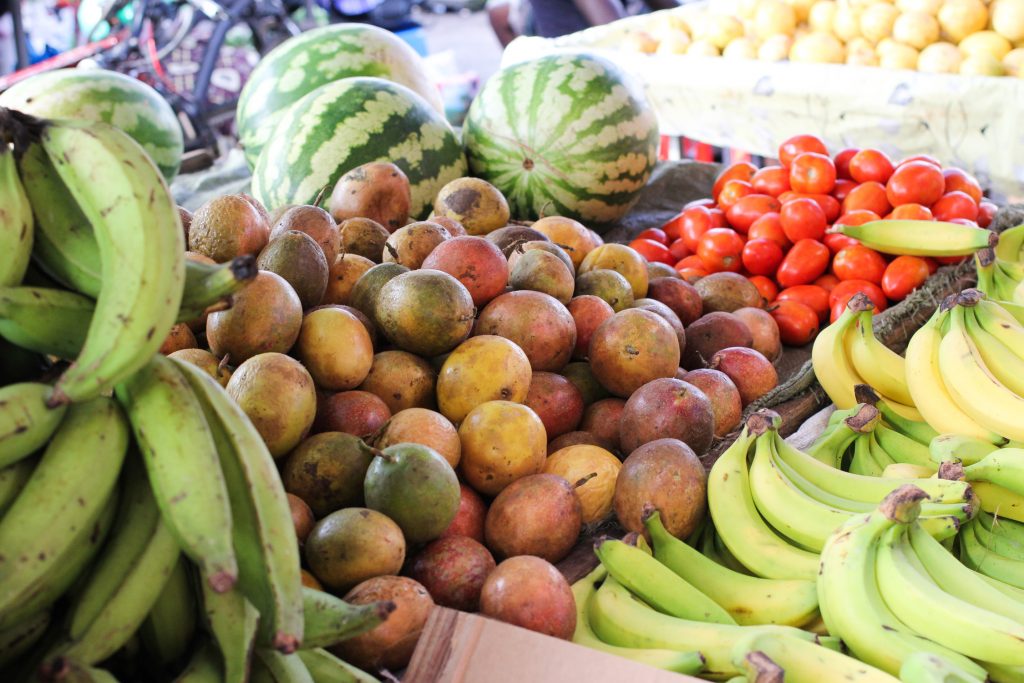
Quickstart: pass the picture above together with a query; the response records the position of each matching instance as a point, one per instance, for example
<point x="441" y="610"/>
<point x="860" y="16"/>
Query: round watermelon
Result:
<point x="302" y="64"/>
<point x="100" y="95"/>
<point x="351" y="122"/>
<point x="563" y="135"/>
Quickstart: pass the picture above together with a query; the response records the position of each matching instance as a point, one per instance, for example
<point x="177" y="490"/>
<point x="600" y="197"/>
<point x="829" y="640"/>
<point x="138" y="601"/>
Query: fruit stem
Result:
<point x="865" y="394"/>
<point x="903" y="505"/>
<point x="970" y="297"/>
<point x="952" y="470"/>
<point x="986" y="257"/>
<point x="244" y="267"/>
<point x="763" y="421"/>
<point x="647" y="512"/>
<point x="864" y="420"/>
<point x="948" y="303"/>
<point x="859" y="303"/>
<point x="583" y="480"/>
<point x="319" y="195"/>
<point x="766" y="671"/>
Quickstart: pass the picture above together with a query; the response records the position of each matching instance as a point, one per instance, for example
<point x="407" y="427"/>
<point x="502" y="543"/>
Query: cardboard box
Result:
<point x="458" y="647"/>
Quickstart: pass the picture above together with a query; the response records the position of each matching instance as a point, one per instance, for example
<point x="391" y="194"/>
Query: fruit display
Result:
<point x="967" y="37"/>
<point x="517" y="128"/>
<point x="314" y="58"/>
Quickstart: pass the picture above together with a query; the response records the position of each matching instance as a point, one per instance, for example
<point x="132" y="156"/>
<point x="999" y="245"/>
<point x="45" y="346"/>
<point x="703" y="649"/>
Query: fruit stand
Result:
<point x="378" y="400"/>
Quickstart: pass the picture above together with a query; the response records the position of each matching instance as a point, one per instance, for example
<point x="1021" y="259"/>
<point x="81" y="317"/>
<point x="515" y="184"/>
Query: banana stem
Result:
<point x="903" y="505"/>
<point x="952" y="470"/>
<point x="763" y="668"/>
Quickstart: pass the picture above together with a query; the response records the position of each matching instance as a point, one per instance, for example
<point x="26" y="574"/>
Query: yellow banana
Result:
<point x="832" y="365"/>
<point x="919" y="238"/>
<point x="882" y="369"/>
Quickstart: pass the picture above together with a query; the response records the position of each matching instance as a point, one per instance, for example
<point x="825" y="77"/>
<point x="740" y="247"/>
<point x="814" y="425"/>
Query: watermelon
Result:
<point x="351" y="122"/>
<point x="302" y="64"/>
<point x="563" y="135"/>
<point x="108" y="96"/>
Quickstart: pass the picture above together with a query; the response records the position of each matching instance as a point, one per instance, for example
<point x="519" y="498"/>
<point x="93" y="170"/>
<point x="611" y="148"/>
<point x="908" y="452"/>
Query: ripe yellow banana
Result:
<point x="17" y="225"/>
<point x="1010" y="242"/>
<point x="832" y="365"/>
<point x="138" y="231"/>
<point x="915" y="428"/>
<point x="184" y="467"/>
<point x="919" y="238"/>
<point x="882" y="369"/>
<point x="26" y="423"/>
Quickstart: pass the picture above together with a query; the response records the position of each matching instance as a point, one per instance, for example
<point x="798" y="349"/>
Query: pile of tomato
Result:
<point x="772" y="224"/>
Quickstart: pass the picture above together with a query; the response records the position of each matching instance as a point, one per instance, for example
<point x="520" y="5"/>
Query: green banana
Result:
<point x="619" y="619"/>
<point x="831" y="446"/>
<point x="712" y="547"/>
<point x="750" y="600"/>
<point x="848" y="591"/>
<point x="924" y="667"/>
<point x="906" y="586"/>
<point x="15" y="640"/>
<point x="1002" y="526"/>
<point x="68" y="670"/>
<point x="208" y="285"/>
<point x="656" y="584"/>
<point x="168" y="629"/>
<point x="999" y="544"/>
<point x="1011" y="240"/>
<point x="999" y="673"/>
<point x="966" y="449"/>
<point x="806" y="662"/>
<point x="233" y="622"/>
<point x="204" y="667"/>
<point x="64" y="247"/>
<point x="129" y="604"/>
<point x="26" y="424"/>
<point x="184" y="467"/>
<point x="12" y="480"/>
<point x="138" y="231"/>
<point x="48" y="321"/>
<point x="737" y="520"/>
<point x="324" y="667"/>
<point x="902" y="448"/>
<point x="17" y="226"/>
<point x="1003" y="467"/>
<point x="328" y="620"/>
<point x="270" y="666"/>
<point x="61" y="499"/>
<point x="919" y="431"/>
<point x="919" y="238"/>
<point x="981" y="559"/>
<point x="864" y="463"/>
<point x="263" y="534"/>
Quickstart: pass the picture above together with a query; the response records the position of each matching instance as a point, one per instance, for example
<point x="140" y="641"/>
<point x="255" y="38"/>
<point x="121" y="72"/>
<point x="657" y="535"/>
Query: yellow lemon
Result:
<point x="1008" y="18"/>
<point x="596" y="468"/>
<point x="961" y="18"/>
<point x="822" y="15"/>
<point x="775" y="48"/>
<point x="876" y="22"/>
<point x="802" y="8"/>
<point x="926" y="6"/>
<point x="894" y="55"/>
<point x="674" y="43"/>
<point x="860" y="52"/>
<point x="720" y="30"/>
<point x="940" y="58"/>
<point x="774" y="16"/>
<point x="916" y="29"/>
<point x="741" y="48"/>
<point x="985" y="43"/>
<point x="1013" y="62"/>
<point x="818" y="47"/>
<point x="846" y="23"/>
<point x="981" y="65"/>
<point x="702" y="48"/>
<point x="641" y="41"/>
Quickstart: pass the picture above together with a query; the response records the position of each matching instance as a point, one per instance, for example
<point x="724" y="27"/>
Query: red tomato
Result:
<point x="805" y="262"/>
<point x="773" y="180"/>
<point x="915" y="182"/>
<point x="721" y="249"/>
<point x="842" y="188"/>
<point x="798" y="323"/>
<point x="799" y="144"/>
<point x="986" y="212"/>
<point x="803" y="219"/>
<point x="718" y="219"/>
<point x="927" y="158"/>
<point x="679" y="250"/>
<point x="869" y="196"/>
<point x="958" y="179"/>
<point x="691" y="261"/>
<point x="652" y="251"/>
<point x="911" y="212"/>
<point x="965" y="221"/>
<point x="955" y="204"/>
<point x="770" y="227"/>
<point x="812" y="173"/>
<point x="731" y="193"/>
<point x="673" y="228"/>
<point x="691" y="268"/>
<point x="933" y="265"/>
<point x="859" y="263"/>
<point x="836" y="242"/>
<point x="694" y="223"/>
<point x="870" y="164"/>
<point x="844" y="291"/>
<point x="656" y="234"/>
<point x="828" y="281"/>
<point x="762" y="256"/>
<point x="813" y="296"/>
<point x="741" y="170"/>
<point x="857" y="217"/>
<point x="836" y="310"/>
<point x="903" y="276"/>
<point x="708" y="202"/>
<point x="748" y="209"/>
<point x="842" y="162"/>
<point x="828" y="203"/>
<point x="766" y="286"/>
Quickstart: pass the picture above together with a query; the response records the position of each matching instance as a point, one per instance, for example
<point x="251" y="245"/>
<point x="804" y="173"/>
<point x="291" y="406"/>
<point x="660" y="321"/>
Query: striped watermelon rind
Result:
<point x="302" y="64"/>
<point x="108" y="96"/>
<point x="563" y="135"/>
<point x="351" y="122"/>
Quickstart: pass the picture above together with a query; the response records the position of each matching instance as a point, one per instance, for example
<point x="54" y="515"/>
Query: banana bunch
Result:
<point x="964" y="369"/>
<point x="1000" y="280"/>
<point x="994" y="546"/>
<point x="847" y="353"/>
<point x="902" y="603"/>
<point x="919" y="238"/>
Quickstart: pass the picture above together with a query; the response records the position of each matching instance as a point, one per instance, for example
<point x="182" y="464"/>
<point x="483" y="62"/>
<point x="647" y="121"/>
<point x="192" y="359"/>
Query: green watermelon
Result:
<point x="302" y="64"/>
<point x="563" y="135"/>
<point x="100" y="95"/>
<point x="351" y="122"/>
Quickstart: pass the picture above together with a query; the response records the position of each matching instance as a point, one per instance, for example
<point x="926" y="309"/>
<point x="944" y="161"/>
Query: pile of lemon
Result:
<point x="936" y="36"/>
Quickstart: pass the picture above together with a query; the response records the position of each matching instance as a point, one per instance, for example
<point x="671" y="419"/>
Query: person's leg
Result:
<point x="498" y="14"/>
